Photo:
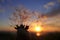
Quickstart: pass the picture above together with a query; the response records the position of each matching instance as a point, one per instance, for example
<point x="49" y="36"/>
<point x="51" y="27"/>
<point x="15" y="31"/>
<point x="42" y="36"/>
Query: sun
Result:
<point x="38" y="28"/>
<point x="35" y="27"/>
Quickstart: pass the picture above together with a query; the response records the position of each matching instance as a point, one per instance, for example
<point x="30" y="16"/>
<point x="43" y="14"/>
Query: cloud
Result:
<point x="24" y="16"/>
<point x="53" y="17"/>
<point x="58" y="1"/>
<point x="54" y="12"/>
<point x="49" y="4"/>
<point x="54" y="8"/>
<point x="28" y="17"/>
<point x="53" y="21"/>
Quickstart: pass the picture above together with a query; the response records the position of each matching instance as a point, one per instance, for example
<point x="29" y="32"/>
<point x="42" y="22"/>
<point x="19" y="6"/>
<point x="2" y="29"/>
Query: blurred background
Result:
<point x="42" y="17"/>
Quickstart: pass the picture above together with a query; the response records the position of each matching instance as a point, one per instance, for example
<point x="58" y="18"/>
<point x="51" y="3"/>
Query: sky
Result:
<point x="49" y="8"/>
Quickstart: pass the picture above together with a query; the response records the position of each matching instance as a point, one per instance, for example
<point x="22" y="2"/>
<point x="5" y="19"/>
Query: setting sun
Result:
<point x="35" y="27"/>
<point x="38" y="29"/>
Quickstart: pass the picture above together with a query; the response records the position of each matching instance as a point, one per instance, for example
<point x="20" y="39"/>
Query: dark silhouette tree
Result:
<point x="22" y="33"/>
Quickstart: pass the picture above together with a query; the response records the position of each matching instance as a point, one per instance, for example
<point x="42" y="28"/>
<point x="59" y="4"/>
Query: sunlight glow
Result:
<point x="35" y="27"/>
<point x="38" y="28"/>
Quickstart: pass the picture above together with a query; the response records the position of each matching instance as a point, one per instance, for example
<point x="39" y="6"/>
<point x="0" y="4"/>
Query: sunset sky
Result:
<point x="50" y="8"/>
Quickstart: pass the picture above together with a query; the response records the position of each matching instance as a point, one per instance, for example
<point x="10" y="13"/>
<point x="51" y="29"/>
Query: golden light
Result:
<point x="37" y="28"/>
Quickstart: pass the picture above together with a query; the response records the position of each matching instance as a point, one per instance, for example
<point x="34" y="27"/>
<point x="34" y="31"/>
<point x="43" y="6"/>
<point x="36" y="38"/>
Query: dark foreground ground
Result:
<point x="47" y="36"/>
